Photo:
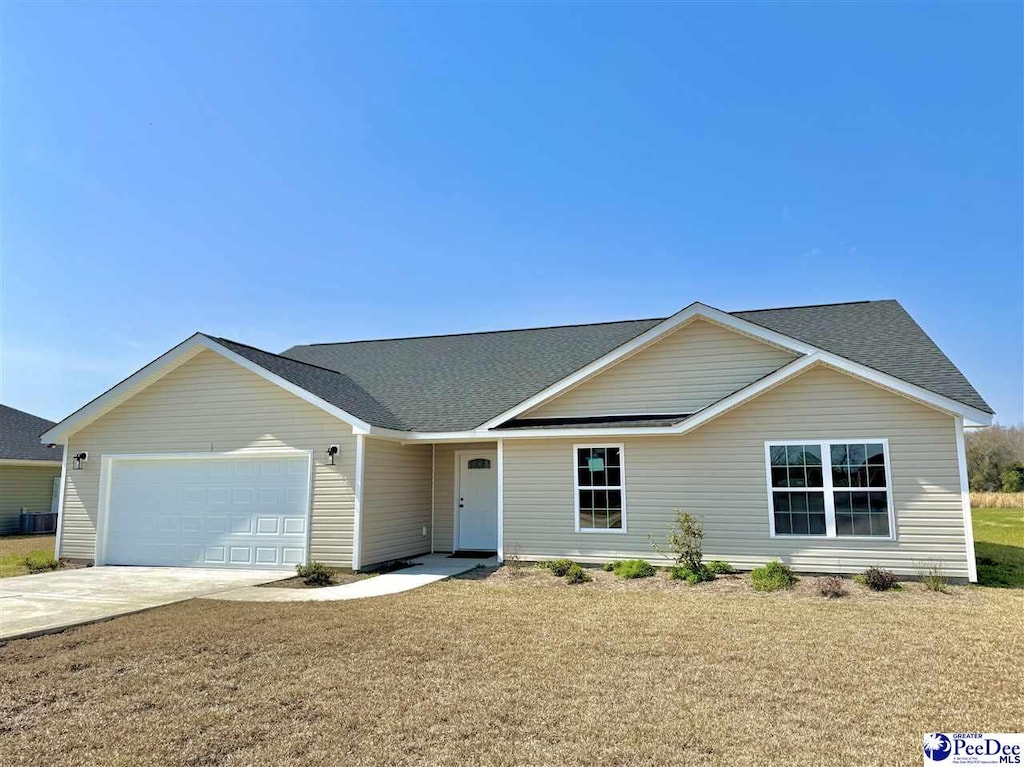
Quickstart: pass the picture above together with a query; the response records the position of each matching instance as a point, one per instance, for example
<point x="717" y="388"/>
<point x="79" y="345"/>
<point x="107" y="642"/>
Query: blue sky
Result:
<point x="284" y="174"/>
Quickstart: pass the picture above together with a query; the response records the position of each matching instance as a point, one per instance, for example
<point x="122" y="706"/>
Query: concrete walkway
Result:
<point x="42" y="604"/>
<point x="428" y="569"/>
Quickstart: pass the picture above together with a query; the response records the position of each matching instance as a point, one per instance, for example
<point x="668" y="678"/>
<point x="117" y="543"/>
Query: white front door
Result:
<point x="250" y="511"/>
<point x="477" y="500"/>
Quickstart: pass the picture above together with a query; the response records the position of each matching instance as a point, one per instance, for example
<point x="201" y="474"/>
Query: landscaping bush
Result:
<point x="633" y="568"/>
<point x="718" y="567"/>
<point x="932" y="578"/>
<point x="831" y="587"/>
<point x="608" y="566"/>
<point x="40" y="562"/>
<point x="576" y="574"/>
<point x="772" y="577"/>
<point x="878" y="579"/>
<point x="685" y="541"/>
<point x="683" y="573"/>
<point x="314" y="573"/>
<point x="557" y="567"/>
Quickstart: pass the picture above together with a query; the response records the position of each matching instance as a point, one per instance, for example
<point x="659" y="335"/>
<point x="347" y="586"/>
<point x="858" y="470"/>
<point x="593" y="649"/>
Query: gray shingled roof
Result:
<point x="456" y="382"/>
<point x="451" y="383"/>
<point x="19" y="437"/>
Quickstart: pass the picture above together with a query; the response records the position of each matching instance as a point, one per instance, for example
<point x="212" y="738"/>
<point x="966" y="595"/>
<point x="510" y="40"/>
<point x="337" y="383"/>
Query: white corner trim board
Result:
<point x="501" y="501"/>
<point x="965" y="499"/>
<point x="357" y="503"/>
<point x="60" y="503"/>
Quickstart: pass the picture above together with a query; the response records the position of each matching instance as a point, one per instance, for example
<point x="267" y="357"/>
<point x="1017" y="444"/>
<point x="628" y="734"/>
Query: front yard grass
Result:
<point x="498" y="670"/>
<point x="999" y="546"/>
<point x="14" y="549"/>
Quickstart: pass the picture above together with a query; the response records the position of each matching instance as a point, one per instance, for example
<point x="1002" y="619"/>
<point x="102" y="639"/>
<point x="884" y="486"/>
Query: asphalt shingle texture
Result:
<point x="456" y="382"/>
<point x="19" y="437"/>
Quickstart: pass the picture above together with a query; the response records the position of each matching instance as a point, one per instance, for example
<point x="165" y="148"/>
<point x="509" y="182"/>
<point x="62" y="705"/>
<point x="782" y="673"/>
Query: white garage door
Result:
<point x="208" y="512"/>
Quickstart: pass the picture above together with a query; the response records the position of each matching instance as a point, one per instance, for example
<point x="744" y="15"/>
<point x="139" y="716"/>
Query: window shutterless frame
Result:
<point x="576" y="487"/>
<point x="829" y="488"/>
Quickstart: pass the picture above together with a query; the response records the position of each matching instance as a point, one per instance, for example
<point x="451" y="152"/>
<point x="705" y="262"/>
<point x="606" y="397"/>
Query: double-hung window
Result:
<point x="599" y="479"/>
<point x="830" y="488"/>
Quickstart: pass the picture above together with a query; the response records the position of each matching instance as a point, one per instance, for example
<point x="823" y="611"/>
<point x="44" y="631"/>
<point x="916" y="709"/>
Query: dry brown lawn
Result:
<point x="493" y="670"/>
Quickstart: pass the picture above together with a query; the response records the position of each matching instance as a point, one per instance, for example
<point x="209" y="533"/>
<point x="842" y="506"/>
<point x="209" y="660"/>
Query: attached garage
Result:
<point x="205" y="510"/>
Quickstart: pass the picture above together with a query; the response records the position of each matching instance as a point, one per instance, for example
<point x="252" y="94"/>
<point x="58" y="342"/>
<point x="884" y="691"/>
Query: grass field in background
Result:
<point x="999" y="546"/>
<point x="997" y="500"/>
<point x="14" y="549"/>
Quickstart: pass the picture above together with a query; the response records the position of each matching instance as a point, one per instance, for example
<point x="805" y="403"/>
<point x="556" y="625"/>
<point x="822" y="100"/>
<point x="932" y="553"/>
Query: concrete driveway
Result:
<point x="40" y="604"/>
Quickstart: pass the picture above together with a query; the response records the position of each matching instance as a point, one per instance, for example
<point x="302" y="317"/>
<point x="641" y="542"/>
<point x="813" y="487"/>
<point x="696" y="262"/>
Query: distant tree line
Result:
<point x="995" y="459"/>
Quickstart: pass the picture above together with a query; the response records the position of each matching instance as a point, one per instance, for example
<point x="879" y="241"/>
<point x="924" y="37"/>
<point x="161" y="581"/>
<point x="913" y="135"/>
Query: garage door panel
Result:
<point x="208" y="512"/>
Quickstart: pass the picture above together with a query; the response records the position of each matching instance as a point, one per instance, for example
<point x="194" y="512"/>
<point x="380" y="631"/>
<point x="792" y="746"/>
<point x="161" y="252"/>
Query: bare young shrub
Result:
<point x="831" y="586"/>
<point x="932" y="577"/>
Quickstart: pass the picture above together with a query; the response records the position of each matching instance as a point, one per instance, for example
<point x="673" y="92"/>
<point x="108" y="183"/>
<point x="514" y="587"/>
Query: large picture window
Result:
<point x="599" y="480"/>
<point x="830" y="488"/>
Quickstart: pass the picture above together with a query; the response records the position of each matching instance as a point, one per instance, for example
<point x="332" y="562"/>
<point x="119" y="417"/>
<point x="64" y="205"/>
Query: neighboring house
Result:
<point x="29" y="471"/>
<point x="830" y="437"/>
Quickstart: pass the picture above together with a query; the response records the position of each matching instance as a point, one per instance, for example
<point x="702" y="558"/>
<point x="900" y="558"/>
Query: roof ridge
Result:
<point x="474" y="333"/>
<point x="813" y="306"/>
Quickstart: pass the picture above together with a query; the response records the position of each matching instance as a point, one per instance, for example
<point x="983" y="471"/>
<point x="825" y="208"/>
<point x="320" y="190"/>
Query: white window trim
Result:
<point x="621" y="487"/>
<point x="829" y="489"/>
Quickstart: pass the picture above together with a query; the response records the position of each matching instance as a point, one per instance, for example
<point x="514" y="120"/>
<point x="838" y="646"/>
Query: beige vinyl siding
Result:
<point x="687" y="370"/>
<point x="211" y="404"/>
<point x="24" y="486"/>
<point x="396" y="501"/>
<point x="718" y="472"/>
<point x="444" y="490"/>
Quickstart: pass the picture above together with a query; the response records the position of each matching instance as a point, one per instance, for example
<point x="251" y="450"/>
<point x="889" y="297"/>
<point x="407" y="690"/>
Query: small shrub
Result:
<point x="683" y="573"/>
<point x="314" y="573"/>
<point x="772" y="577"/>
<point x="608" y="566"/>
<point x="685" y="540"/>
<point x="41" y="562"/>
<point x="878" y="579"/>
<point x="932" y="578"/>
<point x="557" y="567"/>
<point x="513" y="563"/>
<point x="831" y="587"/>
<point x="718" y="567"/>
<point x="576" y="574"/>
<point x="633" y="568"/>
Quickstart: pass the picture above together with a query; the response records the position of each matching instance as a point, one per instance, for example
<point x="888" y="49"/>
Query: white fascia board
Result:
<point x="909" y="390"/>
<point x="691" y="312"/>
<point x="167" y="362"/>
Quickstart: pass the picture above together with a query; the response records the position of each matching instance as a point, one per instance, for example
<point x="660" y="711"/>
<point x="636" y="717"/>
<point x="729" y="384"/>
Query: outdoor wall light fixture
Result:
<point x="331" y="452"/>
<point x="79" y="459"/>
